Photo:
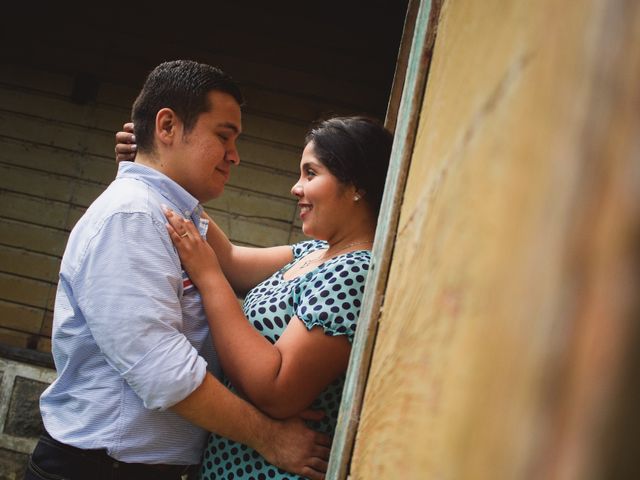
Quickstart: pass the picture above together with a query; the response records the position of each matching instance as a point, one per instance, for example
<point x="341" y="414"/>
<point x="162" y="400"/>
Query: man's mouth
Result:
<point x="224" y="173"/>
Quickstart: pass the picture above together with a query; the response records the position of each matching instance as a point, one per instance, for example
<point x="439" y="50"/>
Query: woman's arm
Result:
<point x="281" y="379"/>
<point x="245" y="267"/>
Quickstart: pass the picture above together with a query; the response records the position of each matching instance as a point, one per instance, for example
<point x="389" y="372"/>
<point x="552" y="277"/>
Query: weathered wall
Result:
<point x="56" y="158"/>
<point x="68" y="77"/>
<point x="20" y="422"/>
<point x="511" y="305"/>
<point x="56" y="150"/>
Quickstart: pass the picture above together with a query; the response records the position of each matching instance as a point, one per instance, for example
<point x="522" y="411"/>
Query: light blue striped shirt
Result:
<point x="130" y="337"/>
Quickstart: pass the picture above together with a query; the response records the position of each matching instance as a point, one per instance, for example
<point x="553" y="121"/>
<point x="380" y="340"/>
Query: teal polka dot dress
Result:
<point x="328" y="296"/>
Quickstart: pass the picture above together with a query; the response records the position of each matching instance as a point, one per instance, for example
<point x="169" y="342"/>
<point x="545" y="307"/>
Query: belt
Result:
<point x="125" y="469"/>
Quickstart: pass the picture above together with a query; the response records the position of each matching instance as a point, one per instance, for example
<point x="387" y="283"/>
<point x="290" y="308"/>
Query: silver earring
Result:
<point x="356" y="198"/>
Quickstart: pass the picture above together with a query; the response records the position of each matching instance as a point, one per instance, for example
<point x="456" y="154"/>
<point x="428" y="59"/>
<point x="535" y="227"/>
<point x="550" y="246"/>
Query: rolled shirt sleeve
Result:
<point x="128" y="285"/>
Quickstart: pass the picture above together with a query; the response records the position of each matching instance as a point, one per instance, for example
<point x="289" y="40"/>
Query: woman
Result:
<point x="288" y="347"/>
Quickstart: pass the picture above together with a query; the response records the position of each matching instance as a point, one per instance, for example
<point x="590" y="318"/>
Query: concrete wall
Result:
<point x="509" y="326"/>
<point x="20" y="422"/>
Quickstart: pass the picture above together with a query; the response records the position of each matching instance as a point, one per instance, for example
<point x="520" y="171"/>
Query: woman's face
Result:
<point x="325" y="203"/>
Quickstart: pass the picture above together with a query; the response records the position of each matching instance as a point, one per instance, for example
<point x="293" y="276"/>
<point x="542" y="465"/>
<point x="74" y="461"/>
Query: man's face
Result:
<point x="205" y="154"/>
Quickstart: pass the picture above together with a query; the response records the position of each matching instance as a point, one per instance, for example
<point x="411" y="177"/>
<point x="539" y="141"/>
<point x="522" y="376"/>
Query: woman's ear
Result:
<point x="167" y="126"/>
<point x="359" y="194"/>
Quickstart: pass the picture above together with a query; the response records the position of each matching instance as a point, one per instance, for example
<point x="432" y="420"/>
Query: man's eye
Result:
<point x="224" y="138"/>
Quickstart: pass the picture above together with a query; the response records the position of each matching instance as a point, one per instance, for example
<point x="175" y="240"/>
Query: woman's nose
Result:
<point x="296" y="190"/>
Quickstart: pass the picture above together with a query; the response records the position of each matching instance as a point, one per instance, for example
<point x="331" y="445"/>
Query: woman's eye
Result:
<point x="311" y="173"/>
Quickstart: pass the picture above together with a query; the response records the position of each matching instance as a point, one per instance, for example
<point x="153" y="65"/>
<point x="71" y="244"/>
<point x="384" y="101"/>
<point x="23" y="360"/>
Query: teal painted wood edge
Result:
<point x="359" y="363"/>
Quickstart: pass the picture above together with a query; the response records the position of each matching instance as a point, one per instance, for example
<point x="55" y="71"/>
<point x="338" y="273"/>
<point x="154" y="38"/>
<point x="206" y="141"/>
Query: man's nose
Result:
<point x="232" y="156"/>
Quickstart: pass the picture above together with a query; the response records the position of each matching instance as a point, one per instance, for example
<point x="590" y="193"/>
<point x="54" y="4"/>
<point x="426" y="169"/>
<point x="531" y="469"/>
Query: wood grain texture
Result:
<point x="420" y="26"/>
<point x="512" y="293"/>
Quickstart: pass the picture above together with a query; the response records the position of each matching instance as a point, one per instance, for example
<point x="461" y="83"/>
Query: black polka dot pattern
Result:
<point x="328" y="297"/>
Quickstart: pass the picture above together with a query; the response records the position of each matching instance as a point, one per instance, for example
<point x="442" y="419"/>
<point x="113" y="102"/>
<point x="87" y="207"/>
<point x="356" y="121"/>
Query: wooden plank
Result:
<point x="23" y="147"/>
<point x="285" y="104"/>
<point x="43" y="185"/>
<point x="259" y="152"/>
<point x="352" y="397"/>
<point x="274" y="129"/>
<point x="47" y="324"/>
<point x="103" y="120"/>
<point x="32" y="237"/>
<point x="356" y="96"/>
<point x="20" y="317"/>
<point x="38" y="157"/>
<point x="76" y="139"/>
<point x="258" y="99"/>
<point x="44" y="158"/>
<point x="59" y="108"/>
<point x="36" y="79"/>
<point x="15" y="338"/>
<point x="511" y="308"/>
<point x="100" y="144"/>
<point x="29" y="357"/>
<point x="252" y="232"/>
<point x="402" y="63"/>
<point x="56" y="134"/>
<point x="29" y="152"/>
<point x="44" y="344"/>
<point x="245" y="176"/>
<point x="29" y="264"/>
<point x="34" y="210"/>
<point x="234" y="203"/>
<point x="26" y="291"/>
<point x="240" y="202"/>
<point x="263" y="180"/>
<point x="51" y="297"/>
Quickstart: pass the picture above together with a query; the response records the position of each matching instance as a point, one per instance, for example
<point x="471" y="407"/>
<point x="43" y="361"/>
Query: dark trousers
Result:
<point x="52" y="460"/>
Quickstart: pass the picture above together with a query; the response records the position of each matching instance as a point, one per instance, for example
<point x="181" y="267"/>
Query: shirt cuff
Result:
<point x="167" y="374"/>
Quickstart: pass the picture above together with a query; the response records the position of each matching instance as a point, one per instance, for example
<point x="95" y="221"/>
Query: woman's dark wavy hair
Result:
<point x="356" y="151"/>
<point x="183" y="86"/>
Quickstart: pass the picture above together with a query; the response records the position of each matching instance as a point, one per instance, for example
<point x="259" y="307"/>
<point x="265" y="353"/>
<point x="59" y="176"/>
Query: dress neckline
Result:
<point x="290" y="265"/>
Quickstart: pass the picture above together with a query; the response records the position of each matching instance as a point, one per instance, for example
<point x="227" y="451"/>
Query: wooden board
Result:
<point x="512" y="297"/>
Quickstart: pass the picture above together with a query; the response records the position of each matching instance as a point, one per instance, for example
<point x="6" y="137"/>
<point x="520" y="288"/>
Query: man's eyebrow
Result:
<point x="229" y="125"/>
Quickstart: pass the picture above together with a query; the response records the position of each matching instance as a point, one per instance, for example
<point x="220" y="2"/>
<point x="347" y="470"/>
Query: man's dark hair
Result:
<point x="183" y="86"/>
<point x="356" y="151"/>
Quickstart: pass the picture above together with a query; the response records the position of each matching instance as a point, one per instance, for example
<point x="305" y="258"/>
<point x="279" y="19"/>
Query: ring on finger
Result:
<point x="185" y="234"/>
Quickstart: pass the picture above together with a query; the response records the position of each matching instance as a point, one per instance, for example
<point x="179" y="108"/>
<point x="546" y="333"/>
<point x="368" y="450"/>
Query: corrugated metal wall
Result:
<point x="56" y="153"/>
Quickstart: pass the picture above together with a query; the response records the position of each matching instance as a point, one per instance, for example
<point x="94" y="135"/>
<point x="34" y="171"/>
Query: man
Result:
<point x="133" y="398"/>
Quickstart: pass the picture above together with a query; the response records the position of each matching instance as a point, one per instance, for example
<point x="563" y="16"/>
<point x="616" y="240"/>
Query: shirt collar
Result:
<point x="186" y="203"/>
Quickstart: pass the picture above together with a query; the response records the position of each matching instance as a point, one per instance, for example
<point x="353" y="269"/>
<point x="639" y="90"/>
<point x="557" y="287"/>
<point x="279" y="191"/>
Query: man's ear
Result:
<point x="168" y="126"/>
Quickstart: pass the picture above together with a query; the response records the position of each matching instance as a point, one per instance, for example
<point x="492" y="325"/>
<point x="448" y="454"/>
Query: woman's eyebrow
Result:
<point x="311" y="163"/>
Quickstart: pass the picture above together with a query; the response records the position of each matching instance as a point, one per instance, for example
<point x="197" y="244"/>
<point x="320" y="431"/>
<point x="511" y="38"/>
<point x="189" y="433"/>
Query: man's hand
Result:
<point x="293" y="447"/>
<point x="126" y="144"/>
